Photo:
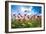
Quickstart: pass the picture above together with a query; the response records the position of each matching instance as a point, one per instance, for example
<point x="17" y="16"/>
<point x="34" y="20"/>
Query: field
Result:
<point x="31" y="23"/>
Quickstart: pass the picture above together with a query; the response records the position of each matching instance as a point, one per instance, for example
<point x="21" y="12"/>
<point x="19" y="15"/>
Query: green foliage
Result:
<point x="26" y="23"/>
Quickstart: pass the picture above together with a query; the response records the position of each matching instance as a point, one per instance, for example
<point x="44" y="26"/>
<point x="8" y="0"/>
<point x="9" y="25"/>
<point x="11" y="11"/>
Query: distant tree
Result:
<point x="20" y="15"/>
<point x="13" y="14"/>
<point x="28" y="16"/>
<point x="25" y="14"/>
<point x="25" y="10"/>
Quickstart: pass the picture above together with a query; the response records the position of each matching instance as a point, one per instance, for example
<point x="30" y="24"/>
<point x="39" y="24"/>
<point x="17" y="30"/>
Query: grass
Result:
<point x="26" y="23"/>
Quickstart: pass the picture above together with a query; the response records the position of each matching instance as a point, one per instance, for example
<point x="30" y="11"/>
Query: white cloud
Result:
<point x="23" y="9"/>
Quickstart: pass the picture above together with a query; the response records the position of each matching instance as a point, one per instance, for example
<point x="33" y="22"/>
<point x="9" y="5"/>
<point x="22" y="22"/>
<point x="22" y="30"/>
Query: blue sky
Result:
<point x="36" y="10"/>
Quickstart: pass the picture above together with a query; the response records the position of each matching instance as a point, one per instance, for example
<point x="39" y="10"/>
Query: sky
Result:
<point x="16" y="9"/>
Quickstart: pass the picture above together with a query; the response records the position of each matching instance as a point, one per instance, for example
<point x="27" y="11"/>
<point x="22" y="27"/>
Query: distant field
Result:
<point x="26" y="23"/>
